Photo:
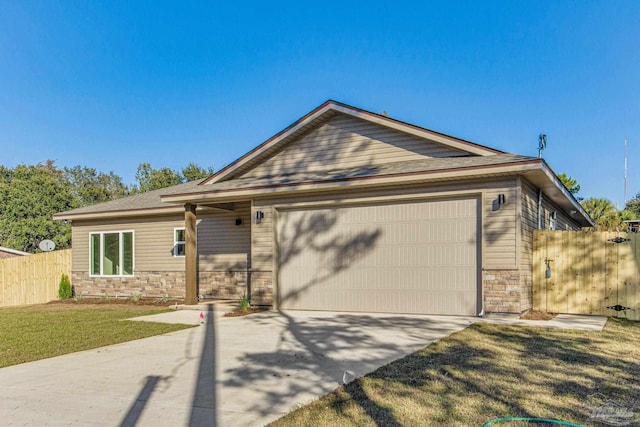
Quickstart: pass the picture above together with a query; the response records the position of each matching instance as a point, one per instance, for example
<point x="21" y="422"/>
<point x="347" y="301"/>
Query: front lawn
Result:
<point x="489" y="371"/>
<point x="40" y="331"/>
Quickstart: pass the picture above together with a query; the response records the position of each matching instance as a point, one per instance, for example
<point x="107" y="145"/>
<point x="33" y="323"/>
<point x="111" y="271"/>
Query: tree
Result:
<point x="192" y="171"/>
<point x="604" y="214"/>
<point x="633" y="207"/>
<point x="571" y="184"/>
<point x="150" y="179"/>
<point x="90" y="187"/>
<point x="29" y="196"/>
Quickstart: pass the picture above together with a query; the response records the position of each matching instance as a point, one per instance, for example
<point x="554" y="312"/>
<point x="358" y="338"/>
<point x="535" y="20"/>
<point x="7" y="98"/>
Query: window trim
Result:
<point x="176" y="242"/>
<point x="121" y="253"/>
<point x="553" y="220"/>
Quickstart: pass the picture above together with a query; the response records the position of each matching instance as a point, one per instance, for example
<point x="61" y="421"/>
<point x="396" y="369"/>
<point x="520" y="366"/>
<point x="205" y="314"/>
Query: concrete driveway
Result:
<point x="243" y="371"/>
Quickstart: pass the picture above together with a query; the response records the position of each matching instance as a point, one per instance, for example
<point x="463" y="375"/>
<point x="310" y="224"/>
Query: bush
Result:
<point x="64" y="290"/>
<point x="244" y="303"/>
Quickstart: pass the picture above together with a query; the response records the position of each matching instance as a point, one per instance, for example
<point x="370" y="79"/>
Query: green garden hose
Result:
<point x="532" y="420"/>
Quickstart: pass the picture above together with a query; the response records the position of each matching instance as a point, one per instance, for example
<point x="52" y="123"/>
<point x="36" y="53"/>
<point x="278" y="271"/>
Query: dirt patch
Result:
<point x="537" y="315"/>
<point x="162" y="302"/>
<point x="238" y="313"/>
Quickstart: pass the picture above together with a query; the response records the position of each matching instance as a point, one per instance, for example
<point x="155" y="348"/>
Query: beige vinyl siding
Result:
<point x="221" y="245"/>
<point x="564" y="221"/>
<point x="499" y="247"/>
<point x="345" y="141"/>
<point x="529" y="222"/>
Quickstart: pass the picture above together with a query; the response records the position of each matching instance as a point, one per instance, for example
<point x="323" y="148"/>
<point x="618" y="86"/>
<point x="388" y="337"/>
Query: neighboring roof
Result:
<point x="149" y="201"/>
<point x="13" y="251"/>
<point x="320" y="115"/>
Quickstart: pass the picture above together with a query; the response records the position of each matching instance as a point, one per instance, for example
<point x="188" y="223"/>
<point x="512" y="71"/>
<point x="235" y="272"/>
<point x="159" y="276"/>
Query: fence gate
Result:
<point x="581" y="272"/>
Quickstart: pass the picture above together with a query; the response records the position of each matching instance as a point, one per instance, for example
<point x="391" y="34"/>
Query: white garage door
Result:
<point x="417" y="257"/>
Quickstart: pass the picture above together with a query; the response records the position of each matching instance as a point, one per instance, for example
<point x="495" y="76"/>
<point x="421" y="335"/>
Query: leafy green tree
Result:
<point x="571" y="184"/>
<point x="192" y="171"/>
<point x="633" y="207"/>
<point x="604" y="214"/>
<point x="90" y="187"/>
<point x="149" y="178"/>
<point x="29" y="196"/>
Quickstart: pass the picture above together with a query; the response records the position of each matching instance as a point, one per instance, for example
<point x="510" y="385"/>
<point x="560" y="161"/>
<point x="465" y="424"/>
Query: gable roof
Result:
<point x="227" y="185"/>
<point x="320" y="115"/>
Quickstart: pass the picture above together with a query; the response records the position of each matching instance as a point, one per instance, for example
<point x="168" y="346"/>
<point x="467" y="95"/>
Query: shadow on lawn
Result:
<point x="567" y="369"/>
<point x="488" y="372"/>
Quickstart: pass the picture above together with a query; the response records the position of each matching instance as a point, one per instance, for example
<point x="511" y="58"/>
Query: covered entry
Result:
<point x="412" y="257"/>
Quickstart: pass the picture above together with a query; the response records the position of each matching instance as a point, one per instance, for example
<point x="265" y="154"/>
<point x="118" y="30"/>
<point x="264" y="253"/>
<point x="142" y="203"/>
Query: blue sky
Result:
<point x="111" y="84"/>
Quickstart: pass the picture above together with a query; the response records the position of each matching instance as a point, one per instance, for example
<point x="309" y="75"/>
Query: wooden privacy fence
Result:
<point x="33" y="279"/>
<point x="586" y="272"/>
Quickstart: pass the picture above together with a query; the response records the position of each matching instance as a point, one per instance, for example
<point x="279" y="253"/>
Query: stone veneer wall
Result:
<point x="502" y="291"/>
<point x="152" y="284"/>
<point x="262" y="288"/>
<point x="158" y="284"/>
<point x="222" y="284"/>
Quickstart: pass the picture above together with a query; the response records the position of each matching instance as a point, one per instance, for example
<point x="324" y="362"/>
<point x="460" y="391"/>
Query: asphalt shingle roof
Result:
<point x="152" y="199"/>
<point x="395" y="168"/>
<point x="147" y="200"/>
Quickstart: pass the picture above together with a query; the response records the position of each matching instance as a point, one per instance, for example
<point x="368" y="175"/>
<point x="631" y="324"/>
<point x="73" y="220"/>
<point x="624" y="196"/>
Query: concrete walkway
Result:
<point x="229" y="371"/>
<point x="561" y="321"/>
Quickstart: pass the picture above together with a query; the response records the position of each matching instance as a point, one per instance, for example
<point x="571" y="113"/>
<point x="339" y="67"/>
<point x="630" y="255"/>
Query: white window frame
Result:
<point x="121" y="253"/>
<point x="176" y="242"/>
<point x="553" y="220"/>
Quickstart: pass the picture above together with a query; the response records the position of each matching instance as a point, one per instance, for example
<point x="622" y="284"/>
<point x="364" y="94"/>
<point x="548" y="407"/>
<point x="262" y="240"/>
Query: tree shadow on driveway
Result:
<point x="318" y="352"/>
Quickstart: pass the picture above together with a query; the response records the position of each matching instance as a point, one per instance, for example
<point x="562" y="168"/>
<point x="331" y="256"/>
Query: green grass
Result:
<point x="40" y="331"/>
<point x="490" y="371"/>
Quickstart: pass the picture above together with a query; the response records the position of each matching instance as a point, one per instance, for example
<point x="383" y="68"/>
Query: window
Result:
<point x="178" y="241"/>
<point x="111" y="253"/>
<point x="553" y="220"/>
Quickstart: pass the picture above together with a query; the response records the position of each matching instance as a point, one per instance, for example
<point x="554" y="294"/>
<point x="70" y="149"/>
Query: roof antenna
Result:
<point x="542" y="144"/>
<point x="625" y="172"/>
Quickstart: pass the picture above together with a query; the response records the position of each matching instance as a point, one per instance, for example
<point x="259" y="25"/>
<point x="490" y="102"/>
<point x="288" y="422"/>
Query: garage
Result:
<point x="416" y="257"/>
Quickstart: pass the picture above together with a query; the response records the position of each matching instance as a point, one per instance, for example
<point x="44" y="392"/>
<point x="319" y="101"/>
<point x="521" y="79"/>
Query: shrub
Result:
<point x="64" y="289"/>
<point x="244" y="303"/>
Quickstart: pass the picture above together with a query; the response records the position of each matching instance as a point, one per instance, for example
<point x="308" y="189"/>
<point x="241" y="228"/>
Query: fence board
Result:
<point x="33" y="279"/>
<point x="589" y="272"/>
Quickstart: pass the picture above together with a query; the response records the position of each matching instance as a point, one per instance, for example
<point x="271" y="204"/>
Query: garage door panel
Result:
<point x="417" y="257"/>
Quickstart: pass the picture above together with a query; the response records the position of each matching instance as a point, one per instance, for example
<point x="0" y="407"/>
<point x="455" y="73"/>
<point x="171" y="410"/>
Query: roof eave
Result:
<point x="68" y="216"/>
<point x="546" y="180"/>
<point x="352" y="183"/>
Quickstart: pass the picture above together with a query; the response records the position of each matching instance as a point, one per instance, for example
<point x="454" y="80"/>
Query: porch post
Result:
<point x="190" y="252"/>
